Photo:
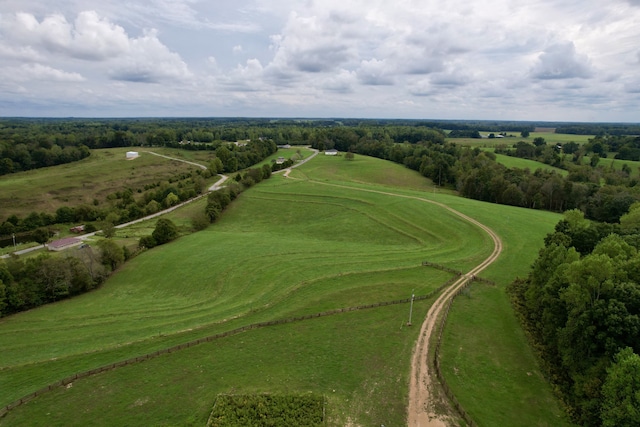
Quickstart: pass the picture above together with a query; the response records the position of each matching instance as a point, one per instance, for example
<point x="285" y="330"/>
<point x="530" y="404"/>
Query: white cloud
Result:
<point x="341" y="82"/>
<point x="19" y="53"/>
<point x="90" y="37"/>
<point x="150" y="61"/>
<point x="375" y="72"/>
<point x="31" y="72"/>
<point x="561" y="61"/>
<point x="455" y="59"/>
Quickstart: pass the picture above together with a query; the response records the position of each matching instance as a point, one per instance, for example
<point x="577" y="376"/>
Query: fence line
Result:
<point x="137" y="359"/>
<point x="436" y="360"/>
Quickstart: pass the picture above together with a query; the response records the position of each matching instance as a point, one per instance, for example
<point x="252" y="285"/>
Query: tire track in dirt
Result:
<point x="422" y="401"/>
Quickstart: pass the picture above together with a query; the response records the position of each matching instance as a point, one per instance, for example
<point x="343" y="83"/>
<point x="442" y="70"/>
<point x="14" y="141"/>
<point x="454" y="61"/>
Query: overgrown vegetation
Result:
<point x="263" y="410"/>
<point x="26" y="284"/>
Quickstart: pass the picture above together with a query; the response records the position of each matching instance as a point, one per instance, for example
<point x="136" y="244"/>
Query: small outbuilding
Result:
<point x="132" y="155"/>
<point x="77" y="229"/>
<point x="332" y="152"/>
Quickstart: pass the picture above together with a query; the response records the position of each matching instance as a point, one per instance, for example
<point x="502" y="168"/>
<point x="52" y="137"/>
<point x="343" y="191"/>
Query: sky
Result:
<point x="551" y="60"/>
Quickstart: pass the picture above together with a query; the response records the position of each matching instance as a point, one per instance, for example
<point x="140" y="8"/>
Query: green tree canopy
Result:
<point x="621" y="391"/>
<point x="165" y="231"/>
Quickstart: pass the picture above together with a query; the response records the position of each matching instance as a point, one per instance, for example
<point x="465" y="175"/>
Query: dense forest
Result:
<point x="581" y="306"/>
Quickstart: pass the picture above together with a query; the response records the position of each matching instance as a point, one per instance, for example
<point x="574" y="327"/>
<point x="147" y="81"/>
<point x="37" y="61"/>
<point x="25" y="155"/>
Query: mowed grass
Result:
<point x="104" y="172"/>
<point x="287" y="247"/>
<point x="532" y="165"/>
<point x="550" y="138"/>
<point x="485" y="356"/>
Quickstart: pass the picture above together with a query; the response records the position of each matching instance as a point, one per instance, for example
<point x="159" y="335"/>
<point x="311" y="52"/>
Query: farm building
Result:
<point x="62" y="244"/>
<point x="279" y="160"/>
<point x="77" y="229"/>
<point x="132" y="155"/>
<point x="332" y="152"/>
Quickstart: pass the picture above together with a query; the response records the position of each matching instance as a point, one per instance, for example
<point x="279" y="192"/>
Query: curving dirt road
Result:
<point x="422" y="402"/>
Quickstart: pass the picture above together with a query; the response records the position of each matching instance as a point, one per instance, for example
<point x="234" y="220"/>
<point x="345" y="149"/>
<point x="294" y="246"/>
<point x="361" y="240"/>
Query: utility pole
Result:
<point x="14" y="241"/>
<point x="411" y="308"/>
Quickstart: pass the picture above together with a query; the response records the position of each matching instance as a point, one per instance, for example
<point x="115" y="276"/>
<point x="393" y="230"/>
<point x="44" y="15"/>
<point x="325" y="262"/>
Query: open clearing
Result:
<point x="532" y="165"/>
<point x="288" y="247"/>
<point x="104" y="172"/>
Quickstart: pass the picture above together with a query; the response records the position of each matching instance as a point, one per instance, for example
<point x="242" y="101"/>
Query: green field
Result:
<point x="104" y="172"/>
<point x="610" y="162"/>
<point x="551" y="138"/>
<point x="532" y="165"/>
<point x="287" y="247"/>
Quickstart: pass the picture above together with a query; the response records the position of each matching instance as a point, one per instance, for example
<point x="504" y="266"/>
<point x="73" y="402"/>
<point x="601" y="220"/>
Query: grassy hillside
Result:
<point x="104" y="172"/>
<point x="289" y="246"/>
<point x="516" y="162"/>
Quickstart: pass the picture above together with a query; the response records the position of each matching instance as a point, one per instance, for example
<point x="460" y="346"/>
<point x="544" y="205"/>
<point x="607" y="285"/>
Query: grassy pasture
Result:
<point x="289" y="246"/>
<point x="485" y="356"/>
<point x="551" y="138"/>
<point x="610" y="162"/>
<point x="105" y="171"/>
<point x="560" y="138"/>
<point x="517" y="162"/>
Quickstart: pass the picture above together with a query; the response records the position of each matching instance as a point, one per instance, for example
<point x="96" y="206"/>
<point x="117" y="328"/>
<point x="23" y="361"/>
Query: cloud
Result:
<point x="90" y="37"/>
<point x="455" y="59"/>
<point x="193" y="14"/>
<point x="342" y="82"/>
<point x="375" y="72"/>
<point x="150" y="61"/>
<point x="94" y="39"/>
<point x="310" y="44"/>
<point x="31" y="72"/>
<point x="19" y="53"/>
<point x="561" y="61"/>
<point x="450" y="80"/>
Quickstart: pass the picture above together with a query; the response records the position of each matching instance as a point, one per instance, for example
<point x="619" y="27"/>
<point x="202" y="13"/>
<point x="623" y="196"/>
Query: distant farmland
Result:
<point x="104" y="172"/>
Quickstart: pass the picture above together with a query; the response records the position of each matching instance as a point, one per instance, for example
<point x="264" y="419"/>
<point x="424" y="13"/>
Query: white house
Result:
<point x="332" y="152"/>
<point x="132" y="155"/>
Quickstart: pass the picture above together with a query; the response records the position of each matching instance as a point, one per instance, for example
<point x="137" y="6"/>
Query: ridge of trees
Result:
<point x="417" y="144"/>
<point x="476" y="174"/>
<point x="580" y="305"/>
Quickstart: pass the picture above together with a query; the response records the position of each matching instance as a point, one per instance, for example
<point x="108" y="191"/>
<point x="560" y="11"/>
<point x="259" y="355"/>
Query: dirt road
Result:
<point x="422" y="400"/>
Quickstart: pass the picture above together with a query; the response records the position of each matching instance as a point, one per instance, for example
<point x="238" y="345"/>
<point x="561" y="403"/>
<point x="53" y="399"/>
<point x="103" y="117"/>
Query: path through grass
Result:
<point x="287" y="247"/>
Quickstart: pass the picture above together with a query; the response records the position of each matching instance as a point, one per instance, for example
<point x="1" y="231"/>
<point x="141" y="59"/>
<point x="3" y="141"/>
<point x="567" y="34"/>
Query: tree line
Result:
<point x="26" y="284"/>
<point x="29" y="283"/>
<point x="476" y="174"/>
<point x="580" y="305"/>
<point x="33" y="154"/>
